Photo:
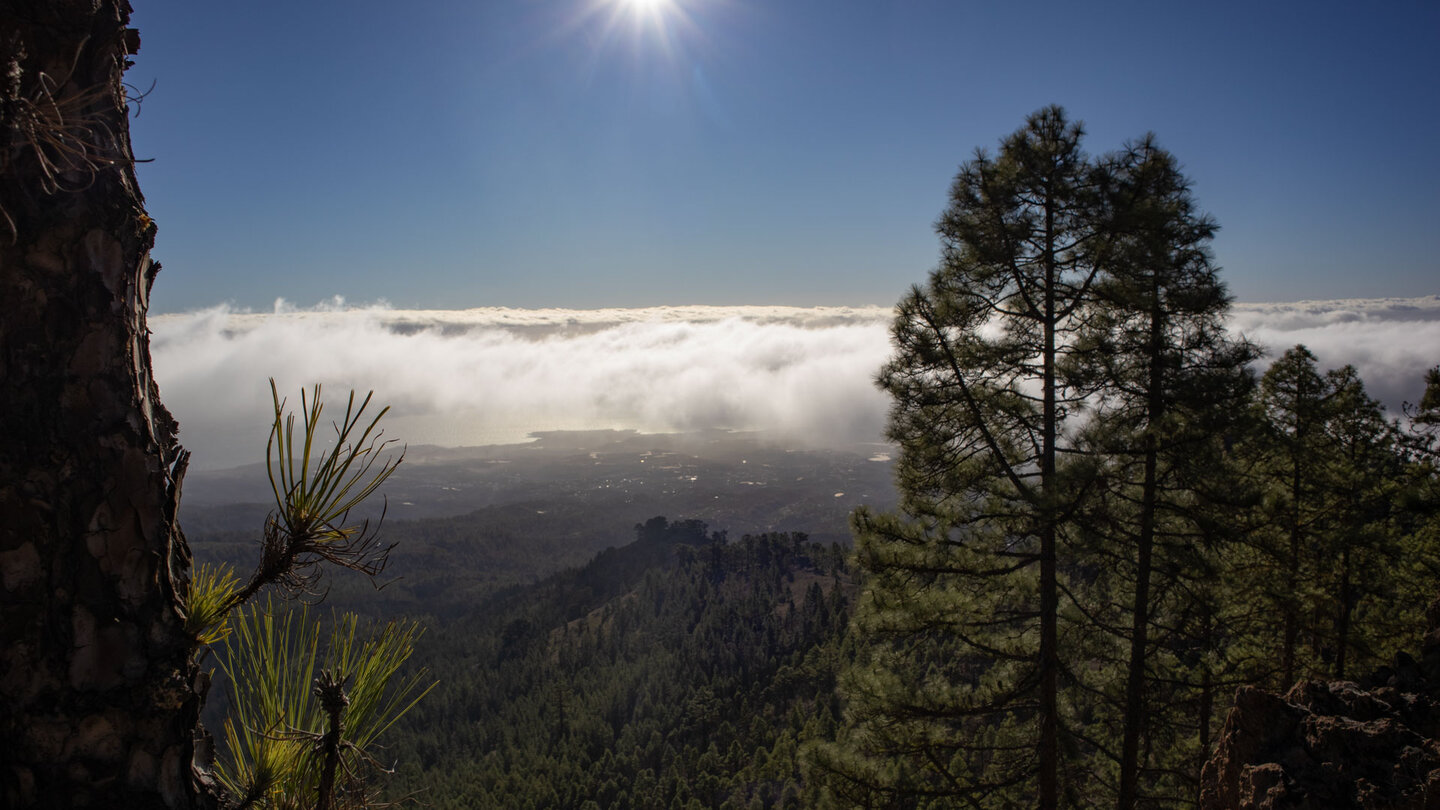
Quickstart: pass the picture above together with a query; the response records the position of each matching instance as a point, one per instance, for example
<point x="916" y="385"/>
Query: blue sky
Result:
<point x="580" y="153"/>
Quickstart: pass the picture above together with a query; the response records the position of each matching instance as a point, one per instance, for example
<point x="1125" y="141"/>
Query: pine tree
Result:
<point x="1330" y="467"/>
<point x="101" y="695"/>
<point x="1168" y="380"/>
<point x="961" y="691"/>
<point x="1054" y="593"/>
<point x="1290" y="448"/>
<point x="1418" y="501"/>
<point x="1359" y="561"/>
<point x="104" y="618"/>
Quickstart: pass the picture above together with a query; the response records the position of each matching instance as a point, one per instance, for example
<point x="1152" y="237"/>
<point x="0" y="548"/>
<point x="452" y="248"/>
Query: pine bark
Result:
<point x="1049" y="584"/>
<point x="1136" y="718"/>
<point x="1292" y="576"/>
<point x="99" y="691"/>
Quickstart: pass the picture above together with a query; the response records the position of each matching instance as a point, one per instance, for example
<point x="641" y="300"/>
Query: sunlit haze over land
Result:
<point x="802" y="376"/>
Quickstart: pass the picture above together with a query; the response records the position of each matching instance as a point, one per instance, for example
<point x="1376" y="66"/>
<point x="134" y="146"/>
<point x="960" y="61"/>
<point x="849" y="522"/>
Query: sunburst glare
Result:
<point x="668" y="27"/>
<point x="651" y="7"/>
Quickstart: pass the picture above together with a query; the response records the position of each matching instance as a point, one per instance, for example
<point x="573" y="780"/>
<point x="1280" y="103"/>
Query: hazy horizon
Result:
<point x="803" y="375"/>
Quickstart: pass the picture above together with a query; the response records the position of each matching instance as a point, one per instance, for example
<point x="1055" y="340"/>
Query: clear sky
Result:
<point x="589" y="153"/>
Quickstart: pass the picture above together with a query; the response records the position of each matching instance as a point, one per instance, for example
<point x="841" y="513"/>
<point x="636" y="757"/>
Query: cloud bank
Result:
<point x="494" y="375"/>
<point x="1390" y="341"/>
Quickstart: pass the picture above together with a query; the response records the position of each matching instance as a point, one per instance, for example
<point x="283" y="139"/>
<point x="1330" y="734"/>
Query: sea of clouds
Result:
<point x="495" y="375"/>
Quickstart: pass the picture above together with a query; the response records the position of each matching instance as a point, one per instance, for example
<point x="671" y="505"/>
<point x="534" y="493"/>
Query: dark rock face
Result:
<point x="1371" y="744"/>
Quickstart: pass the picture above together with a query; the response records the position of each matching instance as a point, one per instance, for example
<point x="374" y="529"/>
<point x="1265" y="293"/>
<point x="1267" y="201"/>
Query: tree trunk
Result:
<point x="1292" y="584"/>
<point x="1136" y="719"/>
<point x="1049" y="797"/>
<point x="1347" y="607"/>
<point x="1207" y="706"/>
<point x="99" y="692"/>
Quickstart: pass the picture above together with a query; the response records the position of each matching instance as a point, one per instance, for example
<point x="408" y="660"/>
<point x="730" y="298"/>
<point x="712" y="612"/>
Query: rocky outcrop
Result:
<point x="1371" y="744"/>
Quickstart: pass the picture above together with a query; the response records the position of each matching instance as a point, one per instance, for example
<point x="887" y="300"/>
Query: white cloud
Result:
<point x="1390" y="341"/>
<point x="494" y="375"/>
<point x="490" y="375"/>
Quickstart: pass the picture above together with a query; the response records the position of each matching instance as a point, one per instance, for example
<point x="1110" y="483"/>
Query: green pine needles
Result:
<point x="209" y="601"/>
<point x="308" y="703"/>
<point x="276" y="734"/>
<point x="315" y="488"/>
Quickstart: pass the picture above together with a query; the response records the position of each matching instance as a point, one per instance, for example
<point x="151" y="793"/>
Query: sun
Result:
<point x="647" y="28"/>
<point x="652" y="9"/>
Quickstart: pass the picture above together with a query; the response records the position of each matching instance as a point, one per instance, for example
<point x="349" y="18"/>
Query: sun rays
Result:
<point x="667" y="28"/>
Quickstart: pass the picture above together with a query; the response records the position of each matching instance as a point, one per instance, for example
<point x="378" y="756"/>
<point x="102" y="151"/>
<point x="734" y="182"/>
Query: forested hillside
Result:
<point x="677" y="671"/>
<point x="690" y="669"/>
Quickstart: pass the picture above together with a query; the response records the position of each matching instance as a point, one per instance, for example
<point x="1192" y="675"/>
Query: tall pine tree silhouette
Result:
<point x="962" y="689"/>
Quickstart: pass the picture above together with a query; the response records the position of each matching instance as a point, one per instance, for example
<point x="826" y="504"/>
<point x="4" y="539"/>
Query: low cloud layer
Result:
<point x="1390" y="341"/>
<point x="494" y="375"/>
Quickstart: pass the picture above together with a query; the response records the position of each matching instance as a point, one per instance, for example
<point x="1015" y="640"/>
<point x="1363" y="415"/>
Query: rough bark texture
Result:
<point x="99" y="693"/>
<point x="1371" y="744"/>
